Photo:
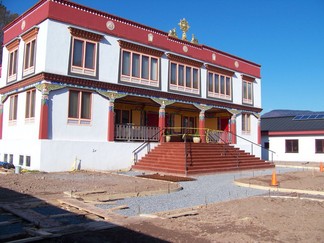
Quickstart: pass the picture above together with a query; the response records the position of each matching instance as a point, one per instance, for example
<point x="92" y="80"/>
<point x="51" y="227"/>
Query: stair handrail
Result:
<point x="253" y="143"/>
<point x="236" y="153"/>
<point x="146" y="144"/>
<point x="184" y="137"/>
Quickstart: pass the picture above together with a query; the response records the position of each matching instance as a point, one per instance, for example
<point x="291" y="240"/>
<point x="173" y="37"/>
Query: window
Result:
<point x="219" y="86"/>
<point x="184" y="78"/>
<point x="79" y="107"/>
<point x="292" y="146"/>
<point x="13" y="108"/>
<point x="139" y="68"/>
<point x="84" y="59"/>
<point x="247" y="92"/>
<point x="30" y="104"/>
<point x="319" y="145"/>
<point x="13" y="60"/>
<point x="122" y="116"/>
<point x="246" y="123"/>
<point x="30" y="51"/>
<point x="21" y="160"/>
<point x="11" y="158"/>
<point x="5" y="157"/>
<point x="28" y="161"/>
<point x="84" y="52"/>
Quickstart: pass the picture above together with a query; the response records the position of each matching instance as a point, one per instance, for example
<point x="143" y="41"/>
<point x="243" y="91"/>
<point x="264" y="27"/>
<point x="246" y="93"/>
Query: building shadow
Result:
<point x="28" y="218"/>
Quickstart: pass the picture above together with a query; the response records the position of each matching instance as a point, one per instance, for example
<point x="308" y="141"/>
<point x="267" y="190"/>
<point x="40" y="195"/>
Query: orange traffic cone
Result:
<point x="321" y="167"/>
<point x="274" y="181"/>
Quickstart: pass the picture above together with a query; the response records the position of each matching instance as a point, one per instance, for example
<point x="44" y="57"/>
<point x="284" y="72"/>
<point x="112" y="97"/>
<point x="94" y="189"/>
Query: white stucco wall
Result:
<point x="251" y="136"/>
<point x="306" y="152"/>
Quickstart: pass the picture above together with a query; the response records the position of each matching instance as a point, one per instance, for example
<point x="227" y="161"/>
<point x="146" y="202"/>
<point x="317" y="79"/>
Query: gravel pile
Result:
<point x="203" y="191"/>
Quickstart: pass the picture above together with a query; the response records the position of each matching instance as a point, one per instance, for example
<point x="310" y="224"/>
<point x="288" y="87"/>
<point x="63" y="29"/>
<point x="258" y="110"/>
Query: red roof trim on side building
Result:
<point x="296" y="133"/>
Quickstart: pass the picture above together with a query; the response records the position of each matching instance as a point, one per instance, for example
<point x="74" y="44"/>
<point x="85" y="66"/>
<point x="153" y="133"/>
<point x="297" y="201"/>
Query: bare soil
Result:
<point x="284" y="218"/>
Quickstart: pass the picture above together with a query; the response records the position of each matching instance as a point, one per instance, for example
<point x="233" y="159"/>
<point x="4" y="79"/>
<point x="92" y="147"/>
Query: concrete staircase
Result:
<point x="199" y="158"/>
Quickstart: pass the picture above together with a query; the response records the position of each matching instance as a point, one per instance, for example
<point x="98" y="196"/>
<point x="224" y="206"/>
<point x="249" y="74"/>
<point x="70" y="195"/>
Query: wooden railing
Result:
<point x="130" y="132"/>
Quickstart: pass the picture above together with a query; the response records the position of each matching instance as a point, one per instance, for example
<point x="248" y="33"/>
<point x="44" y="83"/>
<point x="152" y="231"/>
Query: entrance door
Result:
<point x="224" y="126"/>
<point x="152" y="119"/>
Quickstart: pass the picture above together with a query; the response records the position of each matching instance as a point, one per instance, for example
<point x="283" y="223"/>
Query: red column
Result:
<point x="161" y="122"/>
<point x="233" y="129"/>
<point x="202" y="133"/>
<point x="43" y="123"/>
<point x="1" y="120"/>
<point x="111" y="122"/>
<point x="259" y="131"/>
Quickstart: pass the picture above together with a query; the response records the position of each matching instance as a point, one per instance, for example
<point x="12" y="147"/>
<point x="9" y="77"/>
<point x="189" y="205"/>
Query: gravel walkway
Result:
<point x="205" y="190"/>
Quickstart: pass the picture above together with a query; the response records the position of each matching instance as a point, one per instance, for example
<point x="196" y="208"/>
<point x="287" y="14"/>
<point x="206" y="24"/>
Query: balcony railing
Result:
<point x="130" y="132"/>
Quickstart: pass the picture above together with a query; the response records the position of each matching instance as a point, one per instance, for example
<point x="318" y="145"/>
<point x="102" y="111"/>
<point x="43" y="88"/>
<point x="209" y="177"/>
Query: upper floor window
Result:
<point x="184" y="74"/>
<point x="79" y="107"/>
<point x="84" y="52"/>
<point x="319" y="145"/>
<point x="292" y="146"/>
<point x="247" y="90"/>
<point x="13" y="108"/>
<point x="30" y="51"/>
<point x="30" y="104"/>
<point x="219" y="82"/>
<point x="139" y="64"/>
<point x="12" y="60"/>
<point x="246" y="123"/>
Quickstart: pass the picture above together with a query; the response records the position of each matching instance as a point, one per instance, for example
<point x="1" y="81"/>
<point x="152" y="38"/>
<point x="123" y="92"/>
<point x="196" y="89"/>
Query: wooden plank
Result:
<point x="92" y="209"/>
<point x="31" y="216"/>
<point x="182" y="214"/>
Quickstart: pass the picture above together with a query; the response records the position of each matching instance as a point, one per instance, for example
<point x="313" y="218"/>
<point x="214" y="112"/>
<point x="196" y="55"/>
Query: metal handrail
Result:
<point x="253" y="143"/>
<point x="147" y="144"/>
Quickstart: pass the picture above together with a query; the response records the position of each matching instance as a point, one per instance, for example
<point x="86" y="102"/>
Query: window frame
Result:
<point x="247" y="90"/>
<point x="211" y="86"/>
<point x="13" y="108"/>
<point x="82" y="69"/>
<point x="12" y="65"/>
<point x="180" y="81"/>
<point x="246" y="123"/>
<point x="319" y="143"/>
<point x="138" y="77"/>
<point x="78" y="119"/>
<point x="290" y="147"/>
<point x="30" y="105"/>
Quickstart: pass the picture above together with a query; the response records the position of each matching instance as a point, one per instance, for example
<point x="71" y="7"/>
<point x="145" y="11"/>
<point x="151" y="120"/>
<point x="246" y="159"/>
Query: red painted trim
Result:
<point x="259" y="132"/>
<point x="161" y="124"/>
<point x="78" y="15"/>
<point x="122" y="88"/>
<point x="296" y="133"/>
<point x="43" y="124"/>
<point x="111" y="124"/>
<point x="233" y="130"/>
<point x="202" y="130"/>
<point x="1" y="120"/>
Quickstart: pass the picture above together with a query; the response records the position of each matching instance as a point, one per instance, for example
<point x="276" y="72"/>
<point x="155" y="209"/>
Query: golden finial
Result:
<point x="194" y="40"/>
<point x="184" y="26"/>
<point x="173" y="33"/>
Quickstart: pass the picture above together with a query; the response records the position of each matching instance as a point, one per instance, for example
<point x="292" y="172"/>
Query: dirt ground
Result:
<point x="288" y="217"/>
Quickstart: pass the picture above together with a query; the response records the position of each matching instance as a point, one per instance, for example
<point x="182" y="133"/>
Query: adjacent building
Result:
<point x="293" y="136"/>
<point x="81" y="86"/>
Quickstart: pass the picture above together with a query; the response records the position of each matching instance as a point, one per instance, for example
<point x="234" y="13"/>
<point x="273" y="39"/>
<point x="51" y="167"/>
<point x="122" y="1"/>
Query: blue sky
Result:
<point x="285" y="36"/>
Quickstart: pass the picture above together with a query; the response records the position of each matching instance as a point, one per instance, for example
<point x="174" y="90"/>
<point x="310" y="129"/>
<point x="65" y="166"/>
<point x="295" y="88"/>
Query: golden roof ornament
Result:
<point x="173" y="33"/>
<point x="194" y="40"/>
<point x="184" y="26"/>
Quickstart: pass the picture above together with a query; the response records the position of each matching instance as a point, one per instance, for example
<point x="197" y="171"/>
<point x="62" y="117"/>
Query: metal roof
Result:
<point x="283" y="120"/>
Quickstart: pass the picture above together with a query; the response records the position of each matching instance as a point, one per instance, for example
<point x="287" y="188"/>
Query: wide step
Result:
<point x="190" y="158"/>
